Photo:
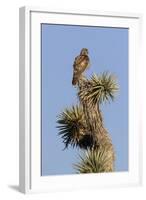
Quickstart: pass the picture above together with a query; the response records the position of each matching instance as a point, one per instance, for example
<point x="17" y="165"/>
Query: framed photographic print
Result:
<point x="79" y="100"/>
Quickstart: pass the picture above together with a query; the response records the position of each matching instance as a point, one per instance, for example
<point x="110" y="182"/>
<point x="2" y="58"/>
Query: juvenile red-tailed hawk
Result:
<point x="81" y="62"/>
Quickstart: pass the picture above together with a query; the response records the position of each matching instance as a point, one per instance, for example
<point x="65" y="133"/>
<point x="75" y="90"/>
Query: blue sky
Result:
<point x="108" y="51"/>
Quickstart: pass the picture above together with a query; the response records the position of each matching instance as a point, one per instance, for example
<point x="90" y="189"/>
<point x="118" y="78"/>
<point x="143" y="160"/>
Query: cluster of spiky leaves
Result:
<point x="72" y="128"/>
<point x="102" y="88"/>
<point x="95" y="161"/>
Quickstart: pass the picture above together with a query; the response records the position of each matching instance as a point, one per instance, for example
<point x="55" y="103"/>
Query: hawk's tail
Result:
<point x="74" y="80"/>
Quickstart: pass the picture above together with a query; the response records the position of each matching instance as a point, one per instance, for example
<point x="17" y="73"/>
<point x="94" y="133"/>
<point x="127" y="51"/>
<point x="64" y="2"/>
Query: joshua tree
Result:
<point x="82" y="125"/>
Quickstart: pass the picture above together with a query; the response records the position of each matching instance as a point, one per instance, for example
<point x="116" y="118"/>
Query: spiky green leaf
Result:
<point x="71" y="125"/>
<point x="95" y="161"/>
<point x="102" y="88"/>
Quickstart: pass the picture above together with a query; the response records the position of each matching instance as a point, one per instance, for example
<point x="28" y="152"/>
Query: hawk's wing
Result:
<point x="78" y="60"/>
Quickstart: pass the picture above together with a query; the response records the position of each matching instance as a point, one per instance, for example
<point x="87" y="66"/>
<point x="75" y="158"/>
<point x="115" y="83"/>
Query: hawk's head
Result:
<point x="84" y="51"/>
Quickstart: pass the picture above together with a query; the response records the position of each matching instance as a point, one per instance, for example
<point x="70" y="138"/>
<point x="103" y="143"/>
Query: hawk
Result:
<point x="81" y="63"/>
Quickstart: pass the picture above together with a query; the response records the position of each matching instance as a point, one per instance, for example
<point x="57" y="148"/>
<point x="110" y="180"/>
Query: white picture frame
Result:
<point x="30" y="146"/>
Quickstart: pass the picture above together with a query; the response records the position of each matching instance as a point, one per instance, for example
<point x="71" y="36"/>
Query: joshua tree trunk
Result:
<point x="82" y="125"/>
<point x="94" y="122"/>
